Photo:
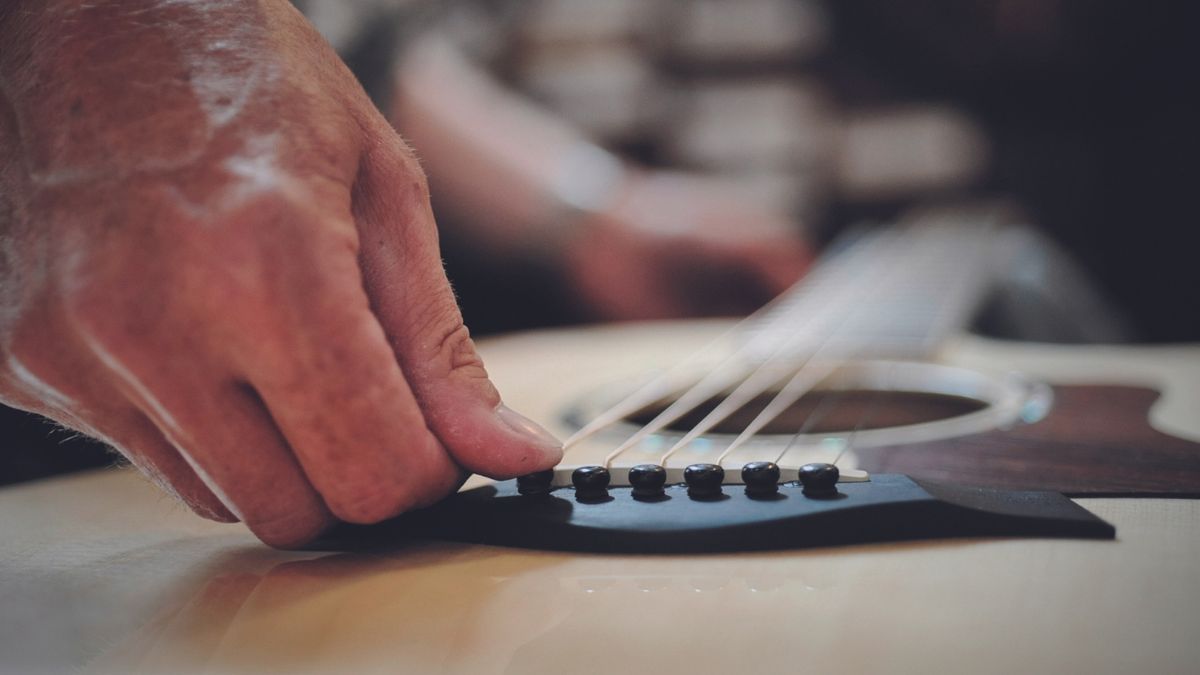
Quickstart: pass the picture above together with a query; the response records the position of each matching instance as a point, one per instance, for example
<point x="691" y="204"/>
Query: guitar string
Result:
<point x="763" y="378"/>
<point x="661" y="385"/>
<point x="978" y="237"/>
<point x="823" y="407"/>
<point x="653" y="390"/>
<point x="717" y="380"/>
<point x="826" y="402"/>
<point x="767" y="373"/>
<point x="960" y="300"/>
<point x="874" y="398"/>
<point x="977" y="248"/>
<point x="778" y="364"/>
<point x="813" y="371"/>
<point x="798" y="386"/>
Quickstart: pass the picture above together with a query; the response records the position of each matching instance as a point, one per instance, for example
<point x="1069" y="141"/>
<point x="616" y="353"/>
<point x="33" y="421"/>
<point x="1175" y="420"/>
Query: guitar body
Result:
<point x="1119" y="421"/>
<point x="101" y="574"/>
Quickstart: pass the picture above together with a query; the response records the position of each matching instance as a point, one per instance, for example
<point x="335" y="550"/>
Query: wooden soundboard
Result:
<point x="100" y="573"/>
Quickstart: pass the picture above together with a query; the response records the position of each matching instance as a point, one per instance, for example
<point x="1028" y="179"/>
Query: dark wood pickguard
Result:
<point x="1096" y="441"/>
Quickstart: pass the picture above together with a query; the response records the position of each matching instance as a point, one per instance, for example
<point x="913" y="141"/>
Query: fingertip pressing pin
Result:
<point x="537" y="484"/>
<point x="591" y="484"/>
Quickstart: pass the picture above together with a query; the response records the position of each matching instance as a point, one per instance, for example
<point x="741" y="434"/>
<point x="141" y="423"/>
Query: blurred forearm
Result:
<point x="511" y="170"/>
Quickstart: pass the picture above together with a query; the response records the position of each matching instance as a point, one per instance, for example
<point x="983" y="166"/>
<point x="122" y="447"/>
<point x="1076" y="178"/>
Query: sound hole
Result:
<point x="840" y="411"/>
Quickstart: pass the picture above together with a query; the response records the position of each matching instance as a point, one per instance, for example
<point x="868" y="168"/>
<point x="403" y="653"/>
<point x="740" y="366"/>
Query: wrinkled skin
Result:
<point x="218" y="257"/>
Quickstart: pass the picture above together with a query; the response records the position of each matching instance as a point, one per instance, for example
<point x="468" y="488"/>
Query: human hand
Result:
<point x="218" y="257"/>
<point x="677" y="244"/>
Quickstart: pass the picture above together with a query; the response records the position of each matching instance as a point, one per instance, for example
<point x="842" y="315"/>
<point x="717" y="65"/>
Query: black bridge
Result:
<point x="678" y="519"/>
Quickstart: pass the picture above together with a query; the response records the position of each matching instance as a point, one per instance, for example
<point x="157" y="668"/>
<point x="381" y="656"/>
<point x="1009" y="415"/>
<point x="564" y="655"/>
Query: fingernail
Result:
<point x="530" y="429"/>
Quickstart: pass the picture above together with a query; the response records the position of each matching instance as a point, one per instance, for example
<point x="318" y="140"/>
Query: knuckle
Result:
<point x="361" y="495"/>
<point x="245" y="269"/>
<point x="445" y="342"/>
<point x="410" y="175"/>
<point x="445" y="352"/>
<point x="372" y="504"/>
<point x="457" y="350"/>
<point x="397" y="167"/>
<point x="410" y="165"/>
<point x="291" y="221"/>
<point x="441" y="487"/>
<point x="291" y="529"/>
<point x="287" y="247"/>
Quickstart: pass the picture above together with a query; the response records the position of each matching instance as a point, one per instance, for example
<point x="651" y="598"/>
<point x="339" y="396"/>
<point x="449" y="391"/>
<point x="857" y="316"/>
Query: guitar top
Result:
<point x="101" y="574"/>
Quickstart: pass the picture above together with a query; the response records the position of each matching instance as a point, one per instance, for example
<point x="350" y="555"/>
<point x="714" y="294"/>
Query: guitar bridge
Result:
<point x="888" y="507"/>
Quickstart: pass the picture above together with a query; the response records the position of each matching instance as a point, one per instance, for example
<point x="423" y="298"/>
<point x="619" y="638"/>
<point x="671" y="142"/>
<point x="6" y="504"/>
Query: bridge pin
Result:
<point x="536" y="484"/>
<point x="591" y="483"/>
<point x="819" y="480"/>
<point x="761" y="479"/>
<point x="704" y="480"/>
<point x="647" y="481"/>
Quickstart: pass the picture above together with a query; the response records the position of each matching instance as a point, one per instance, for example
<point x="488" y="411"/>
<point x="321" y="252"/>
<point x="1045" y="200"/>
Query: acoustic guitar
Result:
<point x="843" y="482"/>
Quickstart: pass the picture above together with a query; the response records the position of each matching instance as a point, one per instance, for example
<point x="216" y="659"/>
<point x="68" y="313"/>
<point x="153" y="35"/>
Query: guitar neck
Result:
<point x="887" y="292"/>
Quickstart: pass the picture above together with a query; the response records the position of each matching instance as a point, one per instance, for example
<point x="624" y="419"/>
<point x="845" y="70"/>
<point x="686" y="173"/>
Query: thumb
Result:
<point x="411" y="297"/>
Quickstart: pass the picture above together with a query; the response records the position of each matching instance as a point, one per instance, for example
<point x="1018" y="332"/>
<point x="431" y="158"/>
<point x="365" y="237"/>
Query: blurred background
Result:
<point x="597" y="160"/>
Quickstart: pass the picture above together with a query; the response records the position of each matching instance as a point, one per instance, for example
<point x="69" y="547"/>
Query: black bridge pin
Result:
<point x="536" y="484"/>
<point x="819" y="480"/>
<point x="704" y="480"/>
<point x="647" y="481"/>
<point x="761" y="479"/>
<point x="591" y="483"/>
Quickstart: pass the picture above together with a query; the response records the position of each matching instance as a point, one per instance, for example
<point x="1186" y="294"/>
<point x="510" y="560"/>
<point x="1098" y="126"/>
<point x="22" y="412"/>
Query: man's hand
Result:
<point x="217" y="256"/>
